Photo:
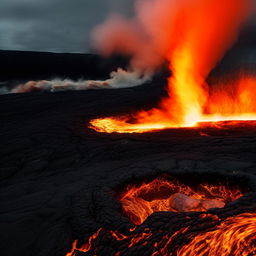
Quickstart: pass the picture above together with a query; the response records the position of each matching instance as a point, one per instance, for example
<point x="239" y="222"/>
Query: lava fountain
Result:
<point x="193" y="36"/>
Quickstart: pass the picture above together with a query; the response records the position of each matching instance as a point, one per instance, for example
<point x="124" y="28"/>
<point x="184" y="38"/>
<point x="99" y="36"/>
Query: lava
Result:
<point x="195" y="229"/>
<point x="163" y="194"/>
<point x="86" y="247"/>
<point x="233" y="101"/>
<point x="193" y="40"/>
<point x="235" y="236"/>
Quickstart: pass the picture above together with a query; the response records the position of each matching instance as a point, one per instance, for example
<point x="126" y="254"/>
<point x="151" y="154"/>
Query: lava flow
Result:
<point x="234" y="102"/>
<point x="162" y="194"/>
<point x="195" y="234"/>
<point x="235" y="236"/>
<point x="193" y="36"/>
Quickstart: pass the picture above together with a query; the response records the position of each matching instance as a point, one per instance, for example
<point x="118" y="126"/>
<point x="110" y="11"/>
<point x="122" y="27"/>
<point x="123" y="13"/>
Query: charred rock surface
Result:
<point x="58" y="176"/>
<point x="161" y="226"/>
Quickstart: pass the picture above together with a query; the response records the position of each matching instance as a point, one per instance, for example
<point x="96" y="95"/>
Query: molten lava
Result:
<point x="235" y="236"/>
<point x="162" y="194"/>
<point x="193" y="39"/>
<point x="193" y="234"/>
<point x="235" y="101"/>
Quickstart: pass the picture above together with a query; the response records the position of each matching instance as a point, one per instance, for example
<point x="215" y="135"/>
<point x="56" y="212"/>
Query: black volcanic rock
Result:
<point x="48" y="155"/>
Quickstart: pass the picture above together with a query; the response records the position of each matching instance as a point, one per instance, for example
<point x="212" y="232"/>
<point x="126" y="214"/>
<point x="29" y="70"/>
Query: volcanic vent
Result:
<point x="166" y="194"/>
<point x="182" y="213"/>
<point x="192" y="36"/>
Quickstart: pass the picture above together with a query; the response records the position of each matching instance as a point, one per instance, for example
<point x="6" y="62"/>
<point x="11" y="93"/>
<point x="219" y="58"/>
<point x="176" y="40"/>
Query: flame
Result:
<point x="161" y="194"/>
<point x="193" y="39"/>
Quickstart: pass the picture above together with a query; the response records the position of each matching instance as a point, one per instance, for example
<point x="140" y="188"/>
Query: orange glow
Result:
<point x="122" y="125"/>
<point x="193" y="39"/>
<point x="161" y="194"/>
<point x="86" y="247"/>
<point x="235" y="236"/>
<point x="234" y="101"/>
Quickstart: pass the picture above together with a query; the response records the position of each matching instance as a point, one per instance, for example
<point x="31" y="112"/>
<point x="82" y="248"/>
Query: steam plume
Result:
<point x="118" y="79"/>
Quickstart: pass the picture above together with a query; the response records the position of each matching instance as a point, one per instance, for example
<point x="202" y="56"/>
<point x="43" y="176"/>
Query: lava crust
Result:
<point x="110" y="232"/>
<point x="48" y="155"/>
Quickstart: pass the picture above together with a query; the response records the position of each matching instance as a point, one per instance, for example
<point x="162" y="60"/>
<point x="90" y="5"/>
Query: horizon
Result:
<point x="59" y="27"/>
<point x="54" y="25"/>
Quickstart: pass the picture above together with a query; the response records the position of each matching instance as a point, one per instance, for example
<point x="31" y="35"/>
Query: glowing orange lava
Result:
<point x="161" y="194"/>
<point x="86" y="247"/>
<point x="232" y="236"/>
<point x="235" y="236"/>
<point x="193" y="41"/>
<point x="235" y="101"/>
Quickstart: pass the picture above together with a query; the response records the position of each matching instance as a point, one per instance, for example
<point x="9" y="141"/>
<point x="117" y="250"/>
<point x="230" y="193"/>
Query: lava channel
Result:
<point x="189" y="230"/>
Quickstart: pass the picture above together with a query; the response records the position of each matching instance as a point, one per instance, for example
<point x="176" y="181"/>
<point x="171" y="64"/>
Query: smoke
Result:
<point x="4" y="90"/>
<point x="118" y="79"/>
<point x="161" y="27"/>
<point x="192" y="35"/>
<point x="126" y="36"/>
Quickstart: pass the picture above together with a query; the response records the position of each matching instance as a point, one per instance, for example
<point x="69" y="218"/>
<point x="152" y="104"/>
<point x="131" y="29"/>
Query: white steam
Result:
<point x="118" y="79"/>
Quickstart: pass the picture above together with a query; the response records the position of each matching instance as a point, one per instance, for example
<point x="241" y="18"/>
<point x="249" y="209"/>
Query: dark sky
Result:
<point x="53" y="25"/>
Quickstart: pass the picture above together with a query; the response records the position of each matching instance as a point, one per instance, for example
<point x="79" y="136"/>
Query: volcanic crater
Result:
<point x="127" y="223"/>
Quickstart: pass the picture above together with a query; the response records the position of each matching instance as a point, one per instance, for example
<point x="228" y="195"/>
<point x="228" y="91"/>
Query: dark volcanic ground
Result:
<point x="48" y="154"/>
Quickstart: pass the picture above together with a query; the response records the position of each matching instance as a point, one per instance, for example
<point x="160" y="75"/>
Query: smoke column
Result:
<point x="193" y="35"/>
<point x="160" y="28"/>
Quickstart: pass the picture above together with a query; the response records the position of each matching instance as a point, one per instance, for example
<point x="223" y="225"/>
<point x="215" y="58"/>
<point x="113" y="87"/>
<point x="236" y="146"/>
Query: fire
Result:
<point x="193" y="39"/>
<point x="235" y="100"/>
<point x="162" y="194"/>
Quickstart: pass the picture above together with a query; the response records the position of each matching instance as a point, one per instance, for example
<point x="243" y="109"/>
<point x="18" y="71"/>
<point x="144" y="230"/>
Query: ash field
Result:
<point x="60" y="179"/>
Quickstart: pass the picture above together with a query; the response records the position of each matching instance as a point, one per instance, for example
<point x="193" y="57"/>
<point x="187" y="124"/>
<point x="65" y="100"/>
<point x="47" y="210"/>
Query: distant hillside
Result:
<point x="23" y="66"/>
<point x="18" y="66"/>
